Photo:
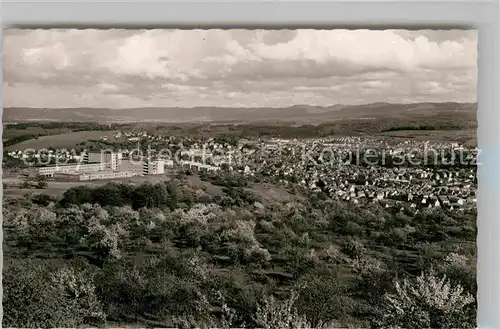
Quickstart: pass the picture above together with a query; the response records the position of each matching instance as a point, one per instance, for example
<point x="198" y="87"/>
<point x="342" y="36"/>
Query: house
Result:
<point x="444" y="199"/>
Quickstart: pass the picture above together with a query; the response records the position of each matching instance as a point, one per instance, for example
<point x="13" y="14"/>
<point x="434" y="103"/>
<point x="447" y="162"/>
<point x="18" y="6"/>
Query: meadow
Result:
<point x="68" y="140"/>
<point x="13" y="184"/>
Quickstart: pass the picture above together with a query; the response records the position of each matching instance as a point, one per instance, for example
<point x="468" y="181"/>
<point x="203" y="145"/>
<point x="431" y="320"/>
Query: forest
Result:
<point x="221" y="254"/>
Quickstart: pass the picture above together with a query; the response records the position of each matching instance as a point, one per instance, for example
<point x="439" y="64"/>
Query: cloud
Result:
<point x="118" y="68"/>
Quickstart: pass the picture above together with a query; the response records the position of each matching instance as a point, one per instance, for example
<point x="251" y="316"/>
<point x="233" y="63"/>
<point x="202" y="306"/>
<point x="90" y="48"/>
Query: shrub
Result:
<point x="332" y="254"/>
<point x="43" y="199"/>
<point x="42" y="184"/>
<point x="273" y="313"/>
<point x="353" y="228"/>
<point x="26" y="184"/>
<point x="353" y="248"/>
<point x="304" y="239"/>
<point x="323" y="297"/>
<point x="398" y="236"/>
<point x="256" y="254"/>
<point x="457" y="268"/>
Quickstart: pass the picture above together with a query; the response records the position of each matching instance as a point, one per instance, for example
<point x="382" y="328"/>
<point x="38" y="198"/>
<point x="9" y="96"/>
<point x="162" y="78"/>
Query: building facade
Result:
<point x="92" y="167"/>
<point x="156" y="167"/>
<point x="67" y="176"/>
<point x="111" y="159"/>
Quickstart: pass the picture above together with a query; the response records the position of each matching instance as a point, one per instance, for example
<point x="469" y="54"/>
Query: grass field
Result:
<point x="465" y="136"/>
<point x="67" y="140"/>
<point x="267" y="192"/>
<point x="57" y="188"/>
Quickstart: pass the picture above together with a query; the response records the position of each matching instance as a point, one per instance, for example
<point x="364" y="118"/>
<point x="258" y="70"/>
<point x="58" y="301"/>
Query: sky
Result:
<point x="49" y="68"/>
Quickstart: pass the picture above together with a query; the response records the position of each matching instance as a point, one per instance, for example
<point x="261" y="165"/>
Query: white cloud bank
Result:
<point x="125" y="68"/>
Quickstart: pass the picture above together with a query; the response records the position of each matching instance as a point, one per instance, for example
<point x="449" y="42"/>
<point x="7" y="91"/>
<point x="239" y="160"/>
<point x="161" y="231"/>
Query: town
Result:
<point x="338" y="166"/>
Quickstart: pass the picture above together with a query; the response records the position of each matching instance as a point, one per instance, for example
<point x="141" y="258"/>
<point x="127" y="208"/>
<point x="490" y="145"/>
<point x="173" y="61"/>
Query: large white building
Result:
<point x="50" y="171"/>
<point x="135" y="166"/>
<point x="106" y="165"/>
<point x="153" y="167"/>
<point x="78" y="176"/>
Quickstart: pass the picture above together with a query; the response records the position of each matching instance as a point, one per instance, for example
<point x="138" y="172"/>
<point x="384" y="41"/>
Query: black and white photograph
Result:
<point x="240" y="178"/>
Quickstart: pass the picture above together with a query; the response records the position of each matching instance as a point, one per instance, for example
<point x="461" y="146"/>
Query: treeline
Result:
<point x="230" y="132"/>
<point x="341" y="127"/>
<point x="20" y="132"/>
<point x="169" y="195"/>
<point x="424" y="127"/>
<point x="19" y="139"/>
<point x="73" y="126"/>
<point x="9" y="162"/>
<point x="120" y="194"/>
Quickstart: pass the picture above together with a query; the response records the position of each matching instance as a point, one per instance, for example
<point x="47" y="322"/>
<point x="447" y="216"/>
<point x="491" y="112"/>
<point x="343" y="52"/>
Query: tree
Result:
<point x="43" y="199"/>
<point x="272" y="313"/>
<point x="10" y="162"/>
<point x="105" y="241"/>
<point x="111" y="194"/>
<point x="323" y="298"/>
<point x="77" y="195"/>
<point x="41" y="181"/>
<point x="26" y="184"/>
<point x="161" y="194"/>
<point x="144" y="196"/>
<point x="429" y="302"/>
<point x="37" y="295"/>
<point x="173" y="195"/>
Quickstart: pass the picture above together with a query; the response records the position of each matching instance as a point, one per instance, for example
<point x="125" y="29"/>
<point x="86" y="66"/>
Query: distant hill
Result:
<point x="296" y="113"/>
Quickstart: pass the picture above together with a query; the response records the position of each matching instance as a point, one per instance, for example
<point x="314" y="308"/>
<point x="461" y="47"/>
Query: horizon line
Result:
<point x="236" y="107"/>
